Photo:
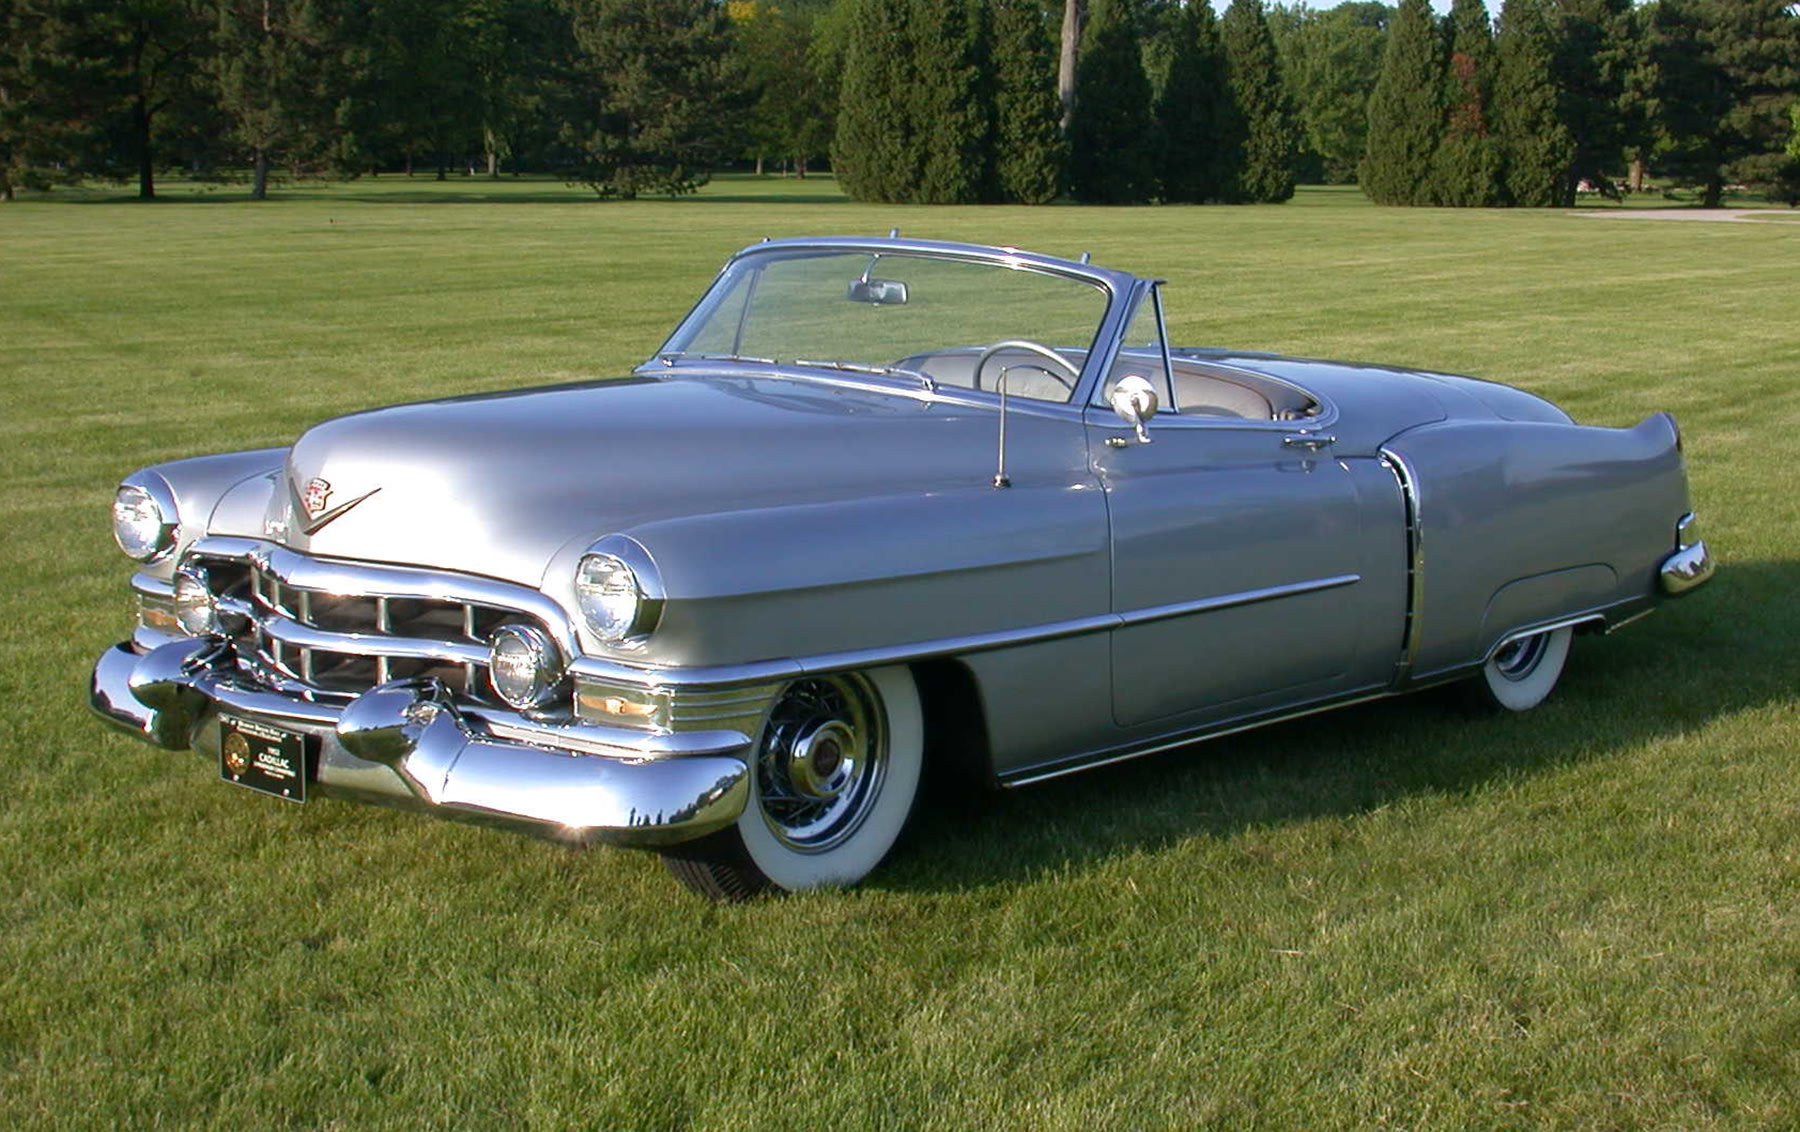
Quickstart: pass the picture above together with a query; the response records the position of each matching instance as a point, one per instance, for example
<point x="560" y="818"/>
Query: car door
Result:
<point x="1238" y="551"/>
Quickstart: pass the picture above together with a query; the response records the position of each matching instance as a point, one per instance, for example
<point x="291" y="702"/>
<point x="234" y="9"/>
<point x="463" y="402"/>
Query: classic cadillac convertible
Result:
<point x="874" y="502"/>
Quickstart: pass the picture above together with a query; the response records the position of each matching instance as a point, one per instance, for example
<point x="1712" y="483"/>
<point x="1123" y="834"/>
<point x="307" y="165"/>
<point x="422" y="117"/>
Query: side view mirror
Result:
<point x="881" y="292"/>
<point x="1134" y="399"/>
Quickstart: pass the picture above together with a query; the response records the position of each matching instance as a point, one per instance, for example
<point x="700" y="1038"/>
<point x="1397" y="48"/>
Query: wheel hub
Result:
<point x="823" y="757"/>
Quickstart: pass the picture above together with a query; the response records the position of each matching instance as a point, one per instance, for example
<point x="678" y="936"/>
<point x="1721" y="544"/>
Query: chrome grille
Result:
<point x="310" y="638"/>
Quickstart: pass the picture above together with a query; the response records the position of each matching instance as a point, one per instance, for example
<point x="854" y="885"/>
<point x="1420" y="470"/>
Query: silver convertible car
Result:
<point x="876" y="502"/>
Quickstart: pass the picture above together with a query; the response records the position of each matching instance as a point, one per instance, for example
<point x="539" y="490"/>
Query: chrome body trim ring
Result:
<point x="407" y="743"/>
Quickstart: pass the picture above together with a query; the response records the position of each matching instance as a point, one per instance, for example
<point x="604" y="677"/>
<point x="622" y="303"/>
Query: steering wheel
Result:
<point x="1057" y="359"/>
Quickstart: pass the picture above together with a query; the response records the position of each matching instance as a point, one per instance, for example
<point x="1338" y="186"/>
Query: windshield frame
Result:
<point x="1118" y="287"/>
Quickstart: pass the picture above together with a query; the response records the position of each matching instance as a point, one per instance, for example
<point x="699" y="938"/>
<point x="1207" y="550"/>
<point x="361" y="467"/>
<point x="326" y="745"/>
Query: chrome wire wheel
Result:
<point x="824" y="757"/>
<point x="832" y="784"/>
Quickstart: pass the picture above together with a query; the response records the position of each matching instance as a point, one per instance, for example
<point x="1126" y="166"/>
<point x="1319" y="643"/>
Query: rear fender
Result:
<point x="1526" y="522"/>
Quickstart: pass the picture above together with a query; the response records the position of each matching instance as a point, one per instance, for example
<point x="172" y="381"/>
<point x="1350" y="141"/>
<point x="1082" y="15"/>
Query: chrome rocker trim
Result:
<point x="406" y="743"/>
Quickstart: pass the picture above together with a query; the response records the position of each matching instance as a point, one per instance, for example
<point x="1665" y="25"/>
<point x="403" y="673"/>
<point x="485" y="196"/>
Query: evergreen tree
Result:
<point x="1592" y="54"/>
<point x="952" y="102"/>
<point x="1466" y="166"/>
<point x="1793" y="145"/>
<point x="1405" y="110"/>
<point x="1270" y="140"/>
<point x="1685" y="96"/>
<point x="658" y="95"/>
<point x="1027" y="108"/>
<point x="874" y="153"/>
<point x="1757" y="43"/>
<point x="1536" y="144"/>
<point x="1112" y="142"/>
<point x="1202" y="131"/>
<point x="268" y="76"/>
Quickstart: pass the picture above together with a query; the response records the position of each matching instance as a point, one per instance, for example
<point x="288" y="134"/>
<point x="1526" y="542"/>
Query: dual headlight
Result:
<point x="620" y="595"/>
<point x="143" y="517"/>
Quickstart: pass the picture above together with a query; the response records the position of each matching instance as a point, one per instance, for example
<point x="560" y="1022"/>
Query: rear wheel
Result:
<point x="1522" y="672"/>
<point x="831" y="787"/>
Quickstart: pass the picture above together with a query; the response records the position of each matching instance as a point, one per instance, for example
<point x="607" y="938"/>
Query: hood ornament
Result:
<point x="311" y="504"/>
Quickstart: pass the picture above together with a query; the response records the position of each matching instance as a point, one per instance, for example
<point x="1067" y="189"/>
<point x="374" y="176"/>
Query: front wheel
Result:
<point x="831" y="787"/>
<point x="1522" y="672"/>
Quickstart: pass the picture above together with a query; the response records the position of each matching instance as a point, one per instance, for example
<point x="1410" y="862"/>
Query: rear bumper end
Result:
<point x="1692" y="564"/>
<point x="407" y="743"/>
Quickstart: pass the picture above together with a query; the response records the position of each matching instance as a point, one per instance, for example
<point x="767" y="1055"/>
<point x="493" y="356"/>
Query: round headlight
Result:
<point x="195" y="611"/>
<point x="141" y="525"/>
<point x="524" y="666"/>
<point x="610" y="596"/>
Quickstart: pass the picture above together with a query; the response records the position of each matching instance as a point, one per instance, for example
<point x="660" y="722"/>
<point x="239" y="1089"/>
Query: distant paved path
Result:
<point x="1716" y="215"/>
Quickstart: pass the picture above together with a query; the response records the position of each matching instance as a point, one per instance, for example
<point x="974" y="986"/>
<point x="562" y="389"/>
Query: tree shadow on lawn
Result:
<point x="1730" y="647"/>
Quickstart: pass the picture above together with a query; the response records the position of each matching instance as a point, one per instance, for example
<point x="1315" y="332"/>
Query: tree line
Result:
<point x="1563" y="94"/>
<point x="1106" y="101"/>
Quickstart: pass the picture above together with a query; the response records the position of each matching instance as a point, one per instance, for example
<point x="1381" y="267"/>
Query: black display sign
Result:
<point x="267" y="759"/>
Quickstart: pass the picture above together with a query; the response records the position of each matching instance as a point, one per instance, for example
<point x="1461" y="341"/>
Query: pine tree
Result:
<point x="660" y="104"/>
<point x="952" y="103"/>
<point x="1270" y="139"/>
<point x="1757" y="43"/>
<point x="1536" y="143"/>
<point x="1112" y="142"/>
<point x="1027" y="108"/>
<point x="1404" y="111"/>
<point x="268" y="76"/>
<point x="1591" y="56"/>
<point x="874" y="153"/>
<point x="1201" y="128"/>
<point x="1466" y="166"/>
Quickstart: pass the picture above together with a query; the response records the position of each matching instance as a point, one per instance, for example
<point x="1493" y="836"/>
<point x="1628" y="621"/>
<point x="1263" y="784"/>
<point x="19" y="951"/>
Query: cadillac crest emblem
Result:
<point x="317" y="494"/>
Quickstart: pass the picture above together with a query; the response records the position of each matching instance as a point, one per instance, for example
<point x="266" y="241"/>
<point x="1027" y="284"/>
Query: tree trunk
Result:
<point x="800" y="168"/>
<point x="1637" y="174"/>
<point x="759" y="165"/>
<point x="493" y="166"/>
<point x="1071" y="51"/>
<point x="442" y="174"/>
<point x="1715" y="191"/>
<point x="140" y="124"/>
<point x="409" y="164"/>
<point x="259" y="188"/>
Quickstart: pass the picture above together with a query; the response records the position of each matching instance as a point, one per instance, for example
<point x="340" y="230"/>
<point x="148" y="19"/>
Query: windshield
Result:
<point x="901" y="314"/>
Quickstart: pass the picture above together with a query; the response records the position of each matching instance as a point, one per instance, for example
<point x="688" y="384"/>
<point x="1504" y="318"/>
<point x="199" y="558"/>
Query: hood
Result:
<point x="497" y="484"/>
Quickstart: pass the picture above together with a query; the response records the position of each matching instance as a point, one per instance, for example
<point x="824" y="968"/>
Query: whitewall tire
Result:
<point x="831" y="787"/>
<point x="1522" y="672"/>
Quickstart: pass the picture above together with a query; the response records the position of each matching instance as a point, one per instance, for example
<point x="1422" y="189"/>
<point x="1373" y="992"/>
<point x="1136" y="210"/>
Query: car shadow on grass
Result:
<point x="1731" y="647"/>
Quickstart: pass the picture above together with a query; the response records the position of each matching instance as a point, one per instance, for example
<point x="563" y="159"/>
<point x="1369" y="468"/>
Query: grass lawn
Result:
<point x="1584" y="917"/>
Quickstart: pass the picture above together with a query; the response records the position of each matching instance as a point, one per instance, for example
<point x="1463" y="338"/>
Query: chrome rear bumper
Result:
<point x="1686" y="568"/>
<point x="407" y="743"/>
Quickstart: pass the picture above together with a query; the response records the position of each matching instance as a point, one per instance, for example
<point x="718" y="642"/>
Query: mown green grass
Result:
<point x="1396" y="915"/>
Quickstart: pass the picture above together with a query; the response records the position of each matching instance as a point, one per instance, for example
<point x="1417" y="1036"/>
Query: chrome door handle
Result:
<point x="1312" y="442"/>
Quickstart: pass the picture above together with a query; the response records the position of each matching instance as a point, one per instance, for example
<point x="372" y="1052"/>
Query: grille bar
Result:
<point x="338" y="629"/>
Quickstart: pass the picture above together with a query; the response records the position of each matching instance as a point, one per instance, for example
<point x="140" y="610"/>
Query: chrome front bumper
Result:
<point x="406" y="743"/>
